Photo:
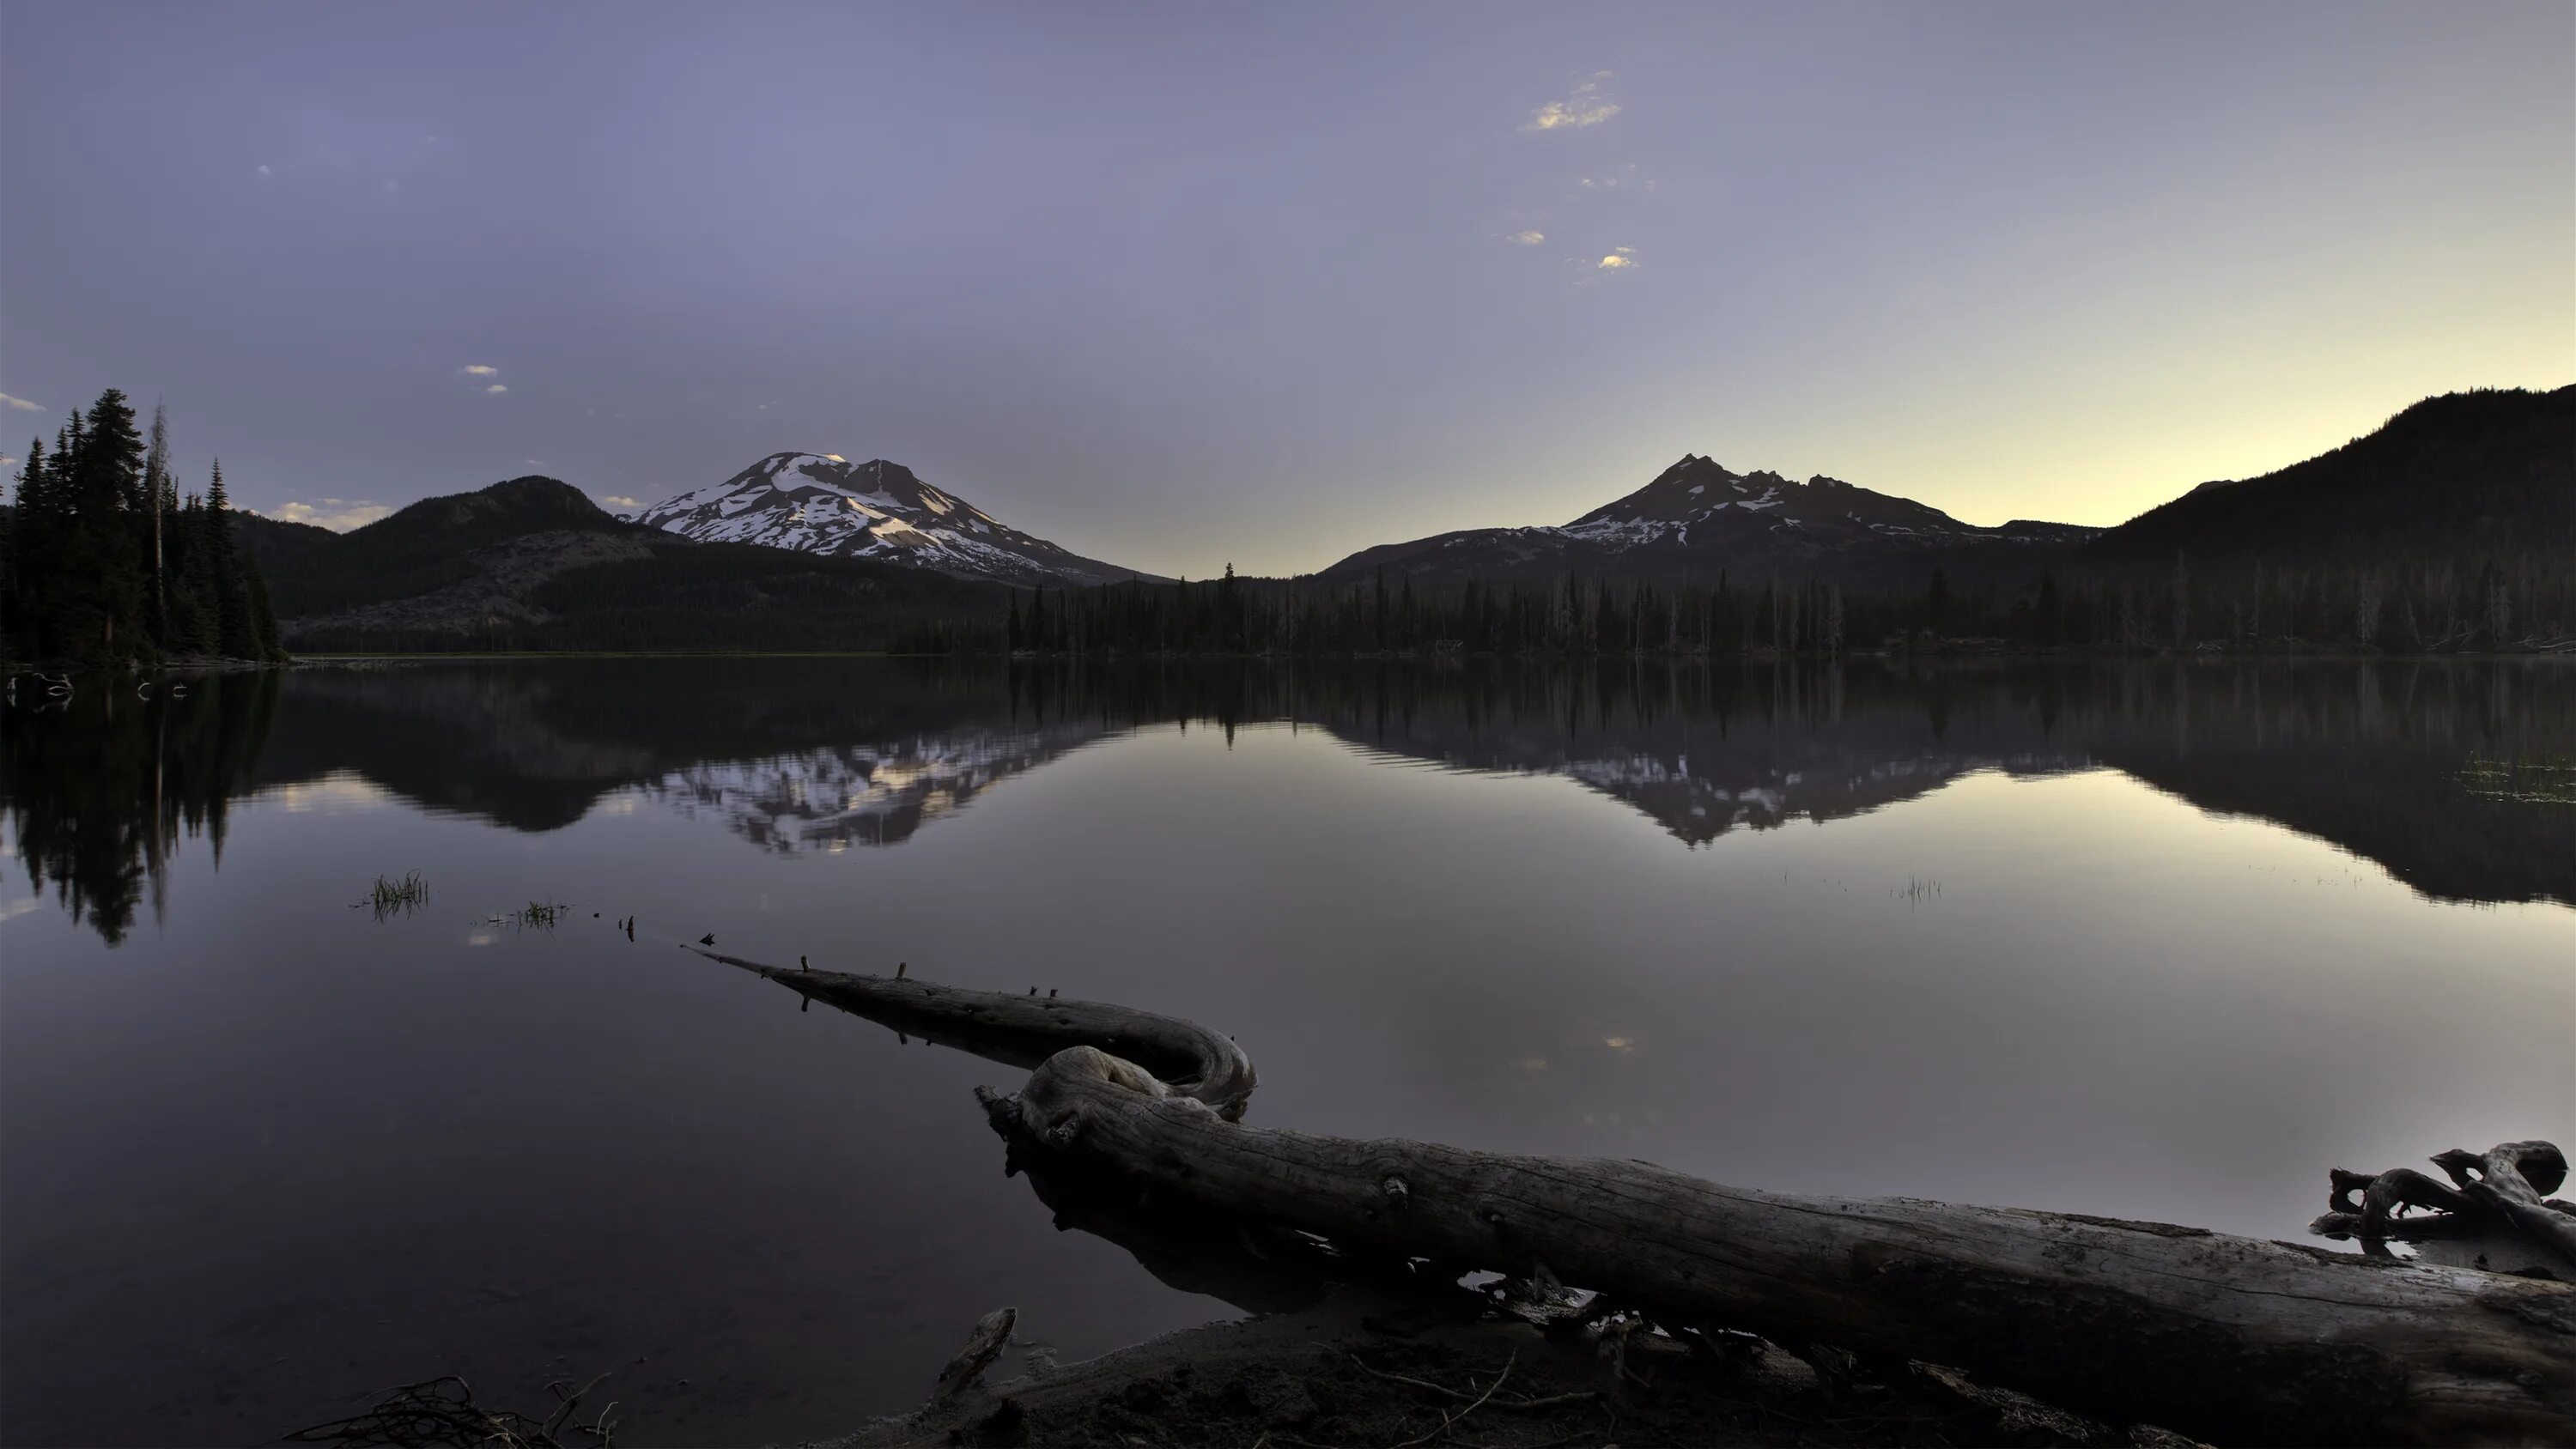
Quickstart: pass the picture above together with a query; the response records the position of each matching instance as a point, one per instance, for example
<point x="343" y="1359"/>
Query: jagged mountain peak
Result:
<point x="1697" y="517"/>
<point x="824" y="503"/>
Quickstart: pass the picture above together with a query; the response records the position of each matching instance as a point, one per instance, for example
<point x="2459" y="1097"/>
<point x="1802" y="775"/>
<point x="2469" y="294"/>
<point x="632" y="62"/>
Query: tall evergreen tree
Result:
<point x="237" y="632"/>
<point x="98" y="562"/>
<point x="156" y="469"/>
<point x="21" y="572"/>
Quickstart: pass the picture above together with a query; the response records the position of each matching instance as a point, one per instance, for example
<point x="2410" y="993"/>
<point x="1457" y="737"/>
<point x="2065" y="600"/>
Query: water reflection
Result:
<point x="281" y="1152"/>
<point x="2452" y="775"/>
<point x="98" y="791"/>
<point x="871" y="794"/>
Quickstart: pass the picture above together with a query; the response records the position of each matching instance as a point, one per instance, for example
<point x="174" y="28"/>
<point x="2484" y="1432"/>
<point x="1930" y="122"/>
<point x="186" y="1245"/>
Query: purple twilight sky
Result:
<point x="1189" y="284"/>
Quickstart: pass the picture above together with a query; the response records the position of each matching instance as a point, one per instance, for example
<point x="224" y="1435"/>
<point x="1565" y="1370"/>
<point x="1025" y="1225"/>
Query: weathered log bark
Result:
<point x="2227" y="1338"/>
<point x="1026" y="1030"/>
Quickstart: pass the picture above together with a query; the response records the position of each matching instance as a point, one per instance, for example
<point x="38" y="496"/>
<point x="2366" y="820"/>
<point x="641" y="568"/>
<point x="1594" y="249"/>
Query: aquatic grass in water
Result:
<point x="540" y="915"/>
<point x="2522" y="782"/>
<point x="392" y="897"/>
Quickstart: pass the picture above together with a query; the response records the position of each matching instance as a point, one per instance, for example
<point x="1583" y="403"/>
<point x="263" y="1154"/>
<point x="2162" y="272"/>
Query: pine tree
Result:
<point x="236" y="630"/>
<point x="98" y="559"/>
<point x="156" y="468"/>
<point x="21" y="570"/>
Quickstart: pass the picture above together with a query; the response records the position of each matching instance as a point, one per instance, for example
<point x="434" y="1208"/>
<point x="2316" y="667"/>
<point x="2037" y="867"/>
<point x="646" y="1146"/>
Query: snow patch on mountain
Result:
<point x="822" y="503"/>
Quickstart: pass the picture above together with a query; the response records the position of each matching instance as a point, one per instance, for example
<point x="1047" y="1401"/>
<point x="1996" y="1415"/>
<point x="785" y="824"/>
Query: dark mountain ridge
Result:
<point x="532" y="562"/>
<point x="2491" y="471"/>
<point x="1697" y="519"/>
<point x="2483" y="472"/>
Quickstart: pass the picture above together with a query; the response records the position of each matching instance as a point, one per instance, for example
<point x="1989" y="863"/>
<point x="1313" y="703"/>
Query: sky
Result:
<point x="1180" y="286"/>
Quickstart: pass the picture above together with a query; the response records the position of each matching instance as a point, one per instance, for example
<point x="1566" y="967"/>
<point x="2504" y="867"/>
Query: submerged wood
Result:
<point x="2227" y="1338"/>
<point x="2494" y="1209"/>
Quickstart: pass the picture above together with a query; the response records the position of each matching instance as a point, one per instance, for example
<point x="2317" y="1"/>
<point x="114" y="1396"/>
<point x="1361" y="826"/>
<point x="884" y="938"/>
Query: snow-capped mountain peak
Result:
<point x="823" y="503"/>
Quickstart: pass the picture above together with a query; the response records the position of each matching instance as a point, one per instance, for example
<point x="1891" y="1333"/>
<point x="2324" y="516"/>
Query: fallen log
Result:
<point x="2226" y="1338"/>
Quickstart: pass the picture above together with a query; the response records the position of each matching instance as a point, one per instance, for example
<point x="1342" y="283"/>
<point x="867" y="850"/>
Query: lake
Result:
<point x="2158" y="940"/>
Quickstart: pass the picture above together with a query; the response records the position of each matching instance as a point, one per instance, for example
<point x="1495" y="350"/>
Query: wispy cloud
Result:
<point x="1623" y="178"/>
<point x="1585" y="105"/>
<point x="618" y="500"/>
<point x="498" y="387"/>
<point x="7" y="461"/>
<point x="1620" y="259"/>
<point x="1525" y="238"/>
<point x="336" y="514"/>
<point x="264" y="171"/>
<point x="19" y="404"/>
<point x="479" y="369"/>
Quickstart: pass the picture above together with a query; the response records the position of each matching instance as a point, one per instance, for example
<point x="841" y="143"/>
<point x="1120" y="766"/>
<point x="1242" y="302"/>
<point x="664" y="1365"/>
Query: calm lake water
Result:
<point x="2155" y="940"/>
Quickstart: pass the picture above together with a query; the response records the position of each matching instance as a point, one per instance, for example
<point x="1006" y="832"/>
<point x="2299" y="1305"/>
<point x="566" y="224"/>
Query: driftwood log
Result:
<point x="2230" y="1339"/>
<point x="2492" y="1209"/>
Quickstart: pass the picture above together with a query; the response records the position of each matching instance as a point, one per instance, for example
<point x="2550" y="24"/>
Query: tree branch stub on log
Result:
<point x="2224" y="1337"/>
<point x="992" y="1332"/>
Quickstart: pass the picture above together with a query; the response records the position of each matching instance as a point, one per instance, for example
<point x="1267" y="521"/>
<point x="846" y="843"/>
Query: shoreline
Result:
<point x="1372" y="1366"/>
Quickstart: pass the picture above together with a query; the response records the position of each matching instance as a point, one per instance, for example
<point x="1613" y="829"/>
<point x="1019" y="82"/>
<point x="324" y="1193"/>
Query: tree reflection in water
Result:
<point x="97" y="791"/>
<point x="2451" y="774"/>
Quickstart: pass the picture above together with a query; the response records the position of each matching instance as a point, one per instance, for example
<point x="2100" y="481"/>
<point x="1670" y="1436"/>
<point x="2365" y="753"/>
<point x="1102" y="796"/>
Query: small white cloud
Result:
<point x="1525" y="238"/>
<point x="336" y="514"/>
<point x="20" y="404"/>
<point x="1620" y="259"/>
<point x="7" y="462"/>
<point x="1585" y="105"/>
<point x="498" y="387"/>
<point x="264" y="171"/>
<point x="618" y="500"/>
<point x="477" y="369"/>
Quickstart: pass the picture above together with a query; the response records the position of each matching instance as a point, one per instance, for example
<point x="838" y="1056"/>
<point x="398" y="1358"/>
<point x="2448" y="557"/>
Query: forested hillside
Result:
<point x="2486" y="473"/>
<point x="532" y="563"/>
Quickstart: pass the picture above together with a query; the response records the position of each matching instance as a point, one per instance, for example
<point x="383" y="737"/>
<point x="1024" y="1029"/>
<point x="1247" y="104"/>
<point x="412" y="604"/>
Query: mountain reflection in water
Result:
<point x="2452" y="775"/>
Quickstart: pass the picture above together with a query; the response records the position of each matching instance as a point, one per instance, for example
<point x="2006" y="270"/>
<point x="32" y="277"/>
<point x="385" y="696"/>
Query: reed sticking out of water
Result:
<point x="396" y="897"/>
<point x="542" y="914"/>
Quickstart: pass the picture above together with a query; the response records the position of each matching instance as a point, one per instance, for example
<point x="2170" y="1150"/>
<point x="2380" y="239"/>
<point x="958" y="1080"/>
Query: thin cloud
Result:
<point x="336" y="514"/>
<point x="478" y="369"/>
<point x="1525" y="238"/>
<point x="1584" y="106"/>
<point x="20" y="404"/>
<point x="618" y="500"/>
<point x="264" y="171"/>
<point x="8" y="462"/>
<point x="1625" y="178"/>
<point x="498" y="387"/>
<point x="1621" y="259"/>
